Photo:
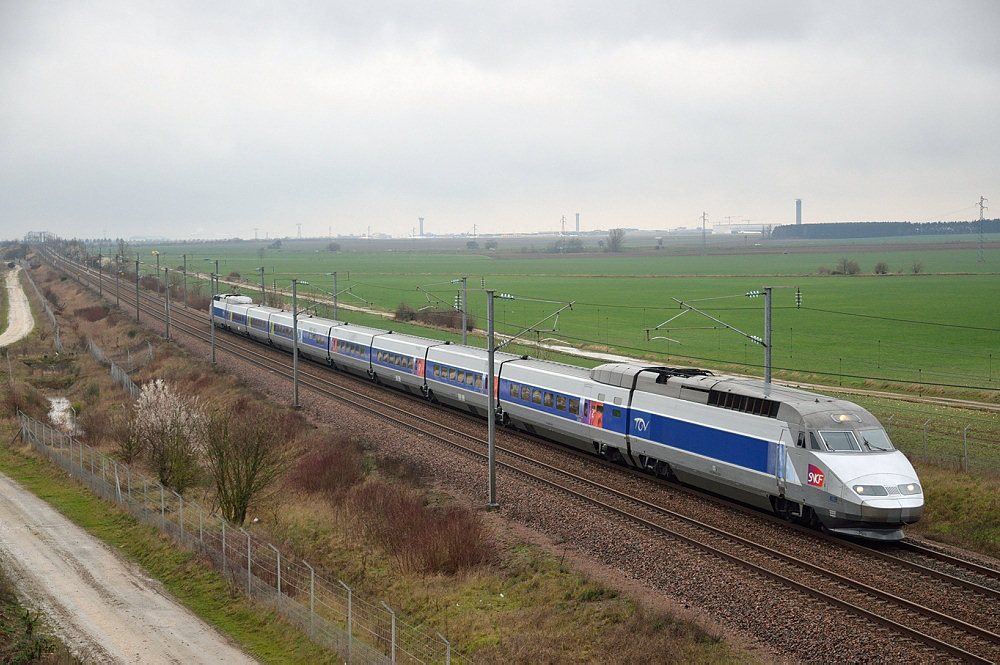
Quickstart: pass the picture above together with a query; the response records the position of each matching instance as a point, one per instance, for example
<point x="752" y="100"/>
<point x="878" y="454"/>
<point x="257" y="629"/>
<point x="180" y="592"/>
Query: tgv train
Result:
<point x="807" y="457"/>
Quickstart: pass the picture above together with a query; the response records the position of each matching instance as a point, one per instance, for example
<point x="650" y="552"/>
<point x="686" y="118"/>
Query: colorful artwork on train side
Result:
<point x="593" y="413"/>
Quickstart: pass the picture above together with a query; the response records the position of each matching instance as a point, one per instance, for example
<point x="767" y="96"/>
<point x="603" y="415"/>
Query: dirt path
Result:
<point x="19" y="319"/>
<point x="103" y="608"/>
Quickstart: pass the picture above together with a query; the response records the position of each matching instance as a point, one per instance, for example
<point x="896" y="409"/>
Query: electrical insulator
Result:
<point x="798" y="298"/>
<point x="754" y="294"/>
<point x="458" y="301"/>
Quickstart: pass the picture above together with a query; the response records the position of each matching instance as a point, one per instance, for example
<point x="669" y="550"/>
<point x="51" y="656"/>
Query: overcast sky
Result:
<point x="208" y="119"/>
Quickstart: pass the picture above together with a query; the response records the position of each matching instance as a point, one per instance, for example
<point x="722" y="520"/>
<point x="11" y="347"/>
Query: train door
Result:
<point x="784" y="466"/>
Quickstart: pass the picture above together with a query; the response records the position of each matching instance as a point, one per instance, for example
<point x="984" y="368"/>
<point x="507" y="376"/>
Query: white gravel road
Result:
<point x="103" y="607"/>
<point x="19" y="319"/>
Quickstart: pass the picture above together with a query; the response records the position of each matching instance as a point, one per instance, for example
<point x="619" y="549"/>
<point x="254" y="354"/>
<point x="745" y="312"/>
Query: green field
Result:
<point x="939" y="327"/>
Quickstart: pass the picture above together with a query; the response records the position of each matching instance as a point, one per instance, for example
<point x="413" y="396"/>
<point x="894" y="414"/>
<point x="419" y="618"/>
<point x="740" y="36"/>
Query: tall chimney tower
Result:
<point x="578" y="222"/>
<point x="798" y="212"/>
<point x="421" y="226"/>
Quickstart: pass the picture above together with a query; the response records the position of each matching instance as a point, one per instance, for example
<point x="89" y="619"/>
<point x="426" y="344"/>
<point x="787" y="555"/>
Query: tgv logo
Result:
<point x="640" y="424"/>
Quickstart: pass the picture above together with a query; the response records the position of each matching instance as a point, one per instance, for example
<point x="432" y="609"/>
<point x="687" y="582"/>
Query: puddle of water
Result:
<point x="61" y="414"/>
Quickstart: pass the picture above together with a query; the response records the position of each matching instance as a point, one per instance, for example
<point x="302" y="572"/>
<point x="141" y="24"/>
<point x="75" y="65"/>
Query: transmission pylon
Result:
<point x="982" y="207"/>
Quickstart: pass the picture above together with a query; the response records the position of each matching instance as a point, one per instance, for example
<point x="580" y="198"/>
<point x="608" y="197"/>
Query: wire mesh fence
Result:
<point x="359" y="628"/>
<point x="118" y="375"/>
<point x="45" y="306"/>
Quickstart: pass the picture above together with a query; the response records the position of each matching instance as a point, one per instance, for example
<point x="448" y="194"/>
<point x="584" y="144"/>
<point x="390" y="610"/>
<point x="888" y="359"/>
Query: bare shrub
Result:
<point x="91" y="314"/>
<point x="21" y="396"/>
<point x="881" y="268"/>
<point x="405" y="313"/>
<point x="197" y="301"/>
<point x="129" y="445"/>
<point x="335" y="467"/>
<point x="96" y="423"/>
<point x="917" y="267"/>
<point x="421" y="538"/>
<point x="246" y="449"/>
<point x="51" y="296"/>
<point x="846" y="266"/>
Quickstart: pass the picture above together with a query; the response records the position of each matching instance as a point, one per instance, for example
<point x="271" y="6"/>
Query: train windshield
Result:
<point x="843" y="440"/>
<point x="876" y="439"/>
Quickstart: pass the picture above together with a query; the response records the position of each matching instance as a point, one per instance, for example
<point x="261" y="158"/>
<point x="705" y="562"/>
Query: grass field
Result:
<point x="938" y="327"/>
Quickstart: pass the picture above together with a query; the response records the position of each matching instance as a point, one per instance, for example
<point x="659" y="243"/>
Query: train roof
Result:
<point x="725" y="391"/>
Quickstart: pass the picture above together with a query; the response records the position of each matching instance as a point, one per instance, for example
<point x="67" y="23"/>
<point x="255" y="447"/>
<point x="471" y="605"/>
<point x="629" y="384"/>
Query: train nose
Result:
<point x="899" y="510"/>
<point x="887" y="498"/>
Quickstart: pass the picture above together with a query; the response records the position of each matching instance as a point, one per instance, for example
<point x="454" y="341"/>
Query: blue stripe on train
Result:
<point x="729" y="447"/>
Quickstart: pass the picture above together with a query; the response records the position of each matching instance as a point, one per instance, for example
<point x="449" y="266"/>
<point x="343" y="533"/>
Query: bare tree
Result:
<point x="616" y="238"/>
<point x="246" y="450"/>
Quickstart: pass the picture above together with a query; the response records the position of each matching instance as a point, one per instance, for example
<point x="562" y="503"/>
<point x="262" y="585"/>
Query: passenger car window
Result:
<point x="840" y="441"/>
<point x="479" y="382"/>
<point x="561" y="402"/>
<point x="460" y="376"/>
<point x="536" y="396"/>
<point x="574" y="406"/>
<point x="515" y="390"/>
<point x="547" y="401"/>
<point x="525" y="393"/>
<point x="437" y="370"/>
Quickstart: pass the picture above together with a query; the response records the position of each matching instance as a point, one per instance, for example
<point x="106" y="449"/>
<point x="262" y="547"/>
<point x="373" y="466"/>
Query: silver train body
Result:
<point x="802" y="455"/>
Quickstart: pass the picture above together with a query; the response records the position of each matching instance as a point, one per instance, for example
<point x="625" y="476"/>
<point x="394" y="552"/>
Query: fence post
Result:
<point x="180" y="521"/>
<point x="393" y="615"/>
<point x="447" y="648"/>
<point x="249" y="594"/>
<point x="312" y="598"/>
<point x="925" y="438"/>
<point x="223" y="545"/>
<point x="118" y="484"/>
<point x="888" y="425"/>
<point x="277" y="601"/>
<point x="965" y="446"/>
<point x="350" y="628"/>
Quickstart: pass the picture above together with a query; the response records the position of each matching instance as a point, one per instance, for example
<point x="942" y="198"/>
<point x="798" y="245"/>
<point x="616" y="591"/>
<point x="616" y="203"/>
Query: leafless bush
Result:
<point x="51" y="296"/>
<point x="96" y="423"/>
<point x="91" y="314"/>
<point x="129" y="445"/>
<point x="441" y="318"/>
<point x="421" y="538"/>
<point x="405" y="313"/>
<point x="19" y="395"/>
<point x="247" y="448"/>
<point x="334" y="467"/>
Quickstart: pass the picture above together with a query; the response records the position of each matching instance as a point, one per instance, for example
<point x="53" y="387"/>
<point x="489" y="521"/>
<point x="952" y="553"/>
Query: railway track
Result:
<point x="963" y="632"/>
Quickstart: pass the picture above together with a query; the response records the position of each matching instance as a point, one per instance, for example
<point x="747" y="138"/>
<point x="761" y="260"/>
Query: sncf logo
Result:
<point x="816" y="477"/>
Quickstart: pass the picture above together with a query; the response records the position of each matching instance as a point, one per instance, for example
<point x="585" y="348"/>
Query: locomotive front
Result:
<point x="871" y="490"/>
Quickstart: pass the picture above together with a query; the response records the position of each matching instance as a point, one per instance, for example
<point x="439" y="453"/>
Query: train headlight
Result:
<point x="870" y="490"/>
<point x="909" y="488"/>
